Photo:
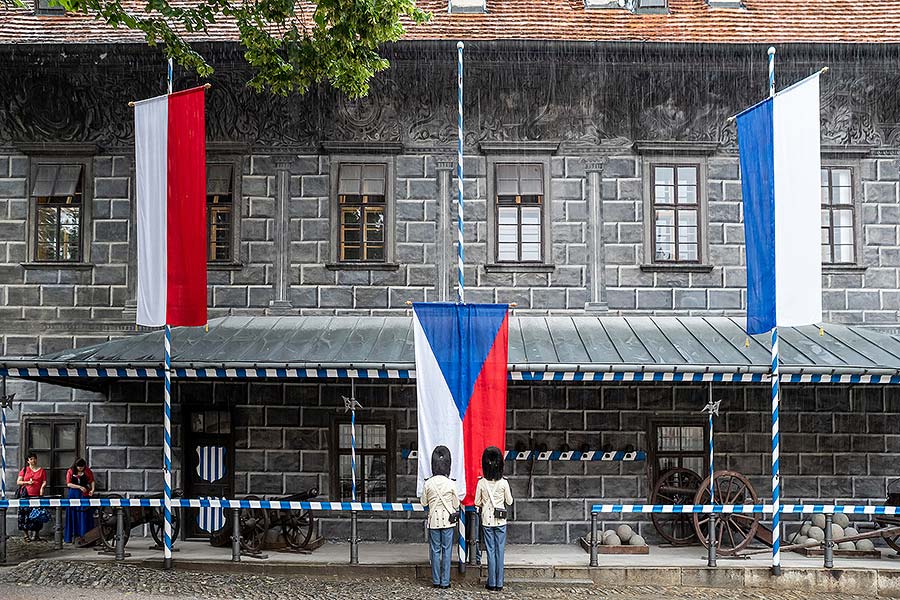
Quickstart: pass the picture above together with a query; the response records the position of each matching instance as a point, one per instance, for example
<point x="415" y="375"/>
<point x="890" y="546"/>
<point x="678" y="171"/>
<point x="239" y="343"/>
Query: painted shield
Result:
<point x="210" y="519"/>
<point x="211" y="463"/>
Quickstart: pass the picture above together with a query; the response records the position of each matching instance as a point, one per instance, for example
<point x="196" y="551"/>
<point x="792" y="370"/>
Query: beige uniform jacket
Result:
<point x="490" y="495"/>
<point x="439" y="495"/>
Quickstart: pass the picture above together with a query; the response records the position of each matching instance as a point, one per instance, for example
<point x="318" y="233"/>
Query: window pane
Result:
<point x="687" y="194"/>
<point x="507" y="234"/>
<point x="687" y="234"/>
<point x="351" y="216"/>
<point x="344" y="435"/>
<point x="376" y="479"/>
<point x="531" y="215"/>
<point x="373" y="181"/>
<point x="843" y="254"/>
<point x="374" y="235"/>
<point x="825" y="195"/>
<point x="687" y="217"/>
<point x="507" y="252"/>
<point x="62" y="462"/>
<point x="531" y="233"/>
<point x="826" y="253"/>
<point x="665" y="176"/>
<point x="691" y="438"/>
<point x="840" y="177"/>
<point x="664" y="194"/>
<point x="687" y="251"/>
<point x="68" y="181"/>
<point x="687" y="176"/>
<point x="824" y="178"/>
<point x="351" y="253"/>
<point x="665" y="251"/>
<point x="66" y="436"/>
<point x="532" y="182"/>
<point x="694" y="463"/>
<point x="507" y="180"/>
<point x="841" y="195"/>
<point x="507" y="215"/>
<point x="843" y="235"/>
<point x="39" y="436"/>
<point x="352" y="235"/>
<point x="843" y="218"/>
<point x="826" y="218"/>
<point x="350" y="180"/>
<point x="531" y="252"/>
<point x="218" y="180"/>
<point x="375" y="436"/>
<point x="44" y="179"/>
<point x="374" y="252"/>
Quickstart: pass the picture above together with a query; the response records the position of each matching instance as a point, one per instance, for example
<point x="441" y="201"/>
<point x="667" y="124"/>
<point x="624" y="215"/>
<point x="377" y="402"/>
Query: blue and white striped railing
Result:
<point x="284" y="373"/>
<point x="217" y="503"/>
<point x="558" y="455"/>
<point x="746" y="508"/>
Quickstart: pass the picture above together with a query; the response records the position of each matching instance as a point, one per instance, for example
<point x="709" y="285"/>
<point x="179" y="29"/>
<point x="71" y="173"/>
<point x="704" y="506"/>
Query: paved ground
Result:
<point x="52" y="579"/>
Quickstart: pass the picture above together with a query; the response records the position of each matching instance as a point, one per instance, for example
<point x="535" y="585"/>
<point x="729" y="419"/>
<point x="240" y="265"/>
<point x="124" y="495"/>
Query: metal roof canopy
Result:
<point x="540" y="348"/>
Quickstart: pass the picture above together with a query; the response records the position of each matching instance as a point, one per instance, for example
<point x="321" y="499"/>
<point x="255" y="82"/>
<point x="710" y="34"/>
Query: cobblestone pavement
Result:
<point x="49" y="580"/>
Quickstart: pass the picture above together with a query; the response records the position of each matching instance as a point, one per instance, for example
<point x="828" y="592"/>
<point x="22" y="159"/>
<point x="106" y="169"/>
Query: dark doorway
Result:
<point x="209" y="466"/>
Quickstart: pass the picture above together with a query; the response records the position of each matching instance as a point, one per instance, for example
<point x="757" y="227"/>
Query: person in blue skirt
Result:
<point x="493" y="497"/>
<point x="80" y="481"/>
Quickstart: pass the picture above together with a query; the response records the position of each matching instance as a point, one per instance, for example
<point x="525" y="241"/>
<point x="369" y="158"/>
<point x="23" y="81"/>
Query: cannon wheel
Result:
<point x="156" y="525"/>
<point x="254" y="525"/>
<point x="734" y="531"/>
<point x="891" y="540"/>
<point x="105" y="520"/>
<point x="675" y="486"/>
<point x="297" y="527"/>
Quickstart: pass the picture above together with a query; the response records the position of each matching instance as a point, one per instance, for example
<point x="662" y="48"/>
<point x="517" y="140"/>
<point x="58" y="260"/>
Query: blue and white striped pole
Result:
<point x="776" y="443"/>
<point x="461" y="289"/>
<point x="167" y="452"/>
<point x="3" y="400"/>
<point x="353" y="440"/>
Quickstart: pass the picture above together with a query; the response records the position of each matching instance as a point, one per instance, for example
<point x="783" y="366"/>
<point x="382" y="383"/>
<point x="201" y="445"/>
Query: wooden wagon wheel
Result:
<point x="105" y="520"/>
<point x="734" y="531"/>
<point x="156" y="525"/>
<point x="254" y="525"/>
<point x="297" y="527"/>
<point x="891" y="540"/>
<point x="675" y="486"/>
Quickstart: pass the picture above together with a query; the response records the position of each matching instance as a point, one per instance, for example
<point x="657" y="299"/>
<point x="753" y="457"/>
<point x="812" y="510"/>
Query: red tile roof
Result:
<point x="762" y="21"/>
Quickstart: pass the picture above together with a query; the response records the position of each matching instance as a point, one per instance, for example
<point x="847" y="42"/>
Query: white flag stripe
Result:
<point x="151" y="125"/>
<point x="798" y="204"/>
<point x="440" y="425"/>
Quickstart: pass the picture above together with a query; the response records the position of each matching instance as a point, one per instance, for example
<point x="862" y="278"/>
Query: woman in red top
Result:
<point x="80" y="481"/>
<point x="33" y="479"/>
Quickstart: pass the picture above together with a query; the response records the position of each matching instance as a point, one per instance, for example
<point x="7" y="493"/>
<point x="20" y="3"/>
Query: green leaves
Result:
<point x="291" y="45"/>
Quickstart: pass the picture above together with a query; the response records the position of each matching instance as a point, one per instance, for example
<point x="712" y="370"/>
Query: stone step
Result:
<point x="545" y="581"/>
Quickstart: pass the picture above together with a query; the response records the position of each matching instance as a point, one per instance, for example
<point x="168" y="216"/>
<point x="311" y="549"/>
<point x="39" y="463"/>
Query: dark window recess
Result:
<point x="678" y="443"/>
<point x="219" y="212"/>
<point x="361" y="196"/>
<point x="375" y="469"/>
<point x="57" y="443"/>
<point x="520" y="199"/>
<point x="59" y="205"/>
<point x="676" y="213"/>
<point x="651" y="5"/>
<point x="838" y="243"/>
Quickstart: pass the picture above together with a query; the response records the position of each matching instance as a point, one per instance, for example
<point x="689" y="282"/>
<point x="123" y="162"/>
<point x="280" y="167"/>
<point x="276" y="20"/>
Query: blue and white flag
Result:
<point x="780" y="179"/>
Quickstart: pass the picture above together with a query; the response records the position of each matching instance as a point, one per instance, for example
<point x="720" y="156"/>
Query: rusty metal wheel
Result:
<point x="734" y="531"/>
<point x="675" y="486"/>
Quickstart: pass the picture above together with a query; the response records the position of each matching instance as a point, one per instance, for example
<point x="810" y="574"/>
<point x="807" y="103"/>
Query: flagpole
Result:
<point x="167" y="418"/>
<point x="775" y="376"/>
<point x="3" y="401"/>
<point x="461" y="293"/>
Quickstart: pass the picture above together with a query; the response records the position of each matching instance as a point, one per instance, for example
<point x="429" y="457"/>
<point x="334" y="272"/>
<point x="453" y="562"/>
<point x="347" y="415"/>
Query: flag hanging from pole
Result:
<point x="779" y="144"/>
<point x="461" y="359"/>
<point x="170" y="165"/>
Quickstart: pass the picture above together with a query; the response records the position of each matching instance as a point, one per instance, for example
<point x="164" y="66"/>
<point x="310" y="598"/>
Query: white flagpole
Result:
<point x="167" y="421"/>
<point x="461" y="290"/>
<point x="775" y="375"/>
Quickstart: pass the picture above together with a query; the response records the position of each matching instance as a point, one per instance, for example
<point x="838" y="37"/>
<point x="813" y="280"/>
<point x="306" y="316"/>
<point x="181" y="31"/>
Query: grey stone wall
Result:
<point x="839" y="443"/>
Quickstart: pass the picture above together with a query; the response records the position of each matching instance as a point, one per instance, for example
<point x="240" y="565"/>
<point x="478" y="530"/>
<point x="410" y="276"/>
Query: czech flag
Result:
<point x="170" y="165"/>
<point x="780" y="154"/>
<point x="461" y="361"/>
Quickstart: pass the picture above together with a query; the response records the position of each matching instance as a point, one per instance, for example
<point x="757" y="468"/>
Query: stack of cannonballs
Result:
<point x="840" y="529"/>
<point x="623" y="535"/>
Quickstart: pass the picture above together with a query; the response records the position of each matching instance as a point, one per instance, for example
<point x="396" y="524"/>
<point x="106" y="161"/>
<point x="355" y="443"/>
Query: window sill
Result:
<point x="843" y="269"/>
<point x="362" y="266"/>
<point x="518" y="268"/>
<point x="224" y="266"/>
<point x="676" y="268"/>
<point x="75" y="266"/>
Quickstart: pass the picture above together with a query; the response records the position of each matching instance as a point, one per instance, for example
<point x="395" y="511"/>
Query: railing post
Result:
<point x="58" y="529"/>
<point x="472" y="534"/>
<point x="711" y="542"/>
<point x="829" y="542"/>
<point x="2" y="536"/>
<point x="235" y="535"/>
<point x="120" y="533"/>
<point x="594" y="561"/>
<point x="354" y="539"/>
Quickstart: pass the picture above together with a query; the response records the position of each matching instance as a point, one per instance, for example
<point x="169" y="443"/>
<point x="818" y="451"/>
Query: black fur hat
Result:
<point x="440" y="461"/>
<point x="492" y="463"/>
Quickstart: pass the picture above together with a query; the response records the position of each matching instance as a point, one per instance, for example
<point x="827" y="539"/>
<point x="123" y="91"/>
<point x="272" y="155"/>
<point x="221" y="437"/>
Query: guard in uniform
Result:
<point x="440" y="496"/>
<point x="492" y="497"/>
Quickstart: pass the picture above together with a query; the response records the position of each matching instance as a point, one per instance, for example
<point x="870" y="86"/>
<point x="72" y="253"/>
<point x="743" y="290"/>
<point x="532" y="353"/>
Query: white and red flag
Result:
<point x="170" y="161"/>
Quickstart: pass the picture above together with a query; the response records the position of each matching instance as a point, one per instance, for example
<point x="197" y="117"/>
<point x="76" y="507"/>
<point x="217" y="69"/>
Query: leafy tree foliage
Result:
<point x="290" y="44"/>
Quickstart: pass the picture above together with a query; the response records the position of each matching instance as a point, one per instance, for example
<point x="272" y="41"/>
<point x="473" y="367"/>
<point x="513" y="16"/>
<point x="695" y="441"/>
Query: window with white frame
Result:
<point x="676" y="213"/>
<point x="838" y="233"/>
<point x="519" y="210"/>
<point x="362" y="212"/>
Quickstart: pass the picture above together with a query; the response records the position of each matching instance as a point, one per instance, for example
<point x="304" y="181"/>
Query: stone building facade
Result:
<point x="597" y="119"/>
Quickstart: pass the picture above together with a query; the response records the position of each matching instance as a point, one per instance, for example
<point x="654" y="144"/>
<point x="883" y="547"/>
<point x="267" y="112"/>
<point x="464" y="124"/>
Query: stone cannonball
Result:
<point x="850" y="532"/>
<point x="819" y="521"/>
<point x="816" y="533"/>
<point x="837" y="532"/>
<point x="846" y="546"/>
<point x="804" y="530"/>
<point x="636" y="540"/>
<point x="841" y="519"/>
<point x="612" y="540"/>
<point x="867" y="545"/>
<point x="624" y="532"/>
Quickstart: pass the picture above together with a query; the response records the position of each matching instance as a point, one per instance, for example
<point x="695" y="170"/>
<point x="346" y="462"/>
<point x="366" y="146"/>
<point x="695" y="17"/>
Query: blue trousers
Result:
<point x="494" y="547"/>
<point x="441" y="545"/>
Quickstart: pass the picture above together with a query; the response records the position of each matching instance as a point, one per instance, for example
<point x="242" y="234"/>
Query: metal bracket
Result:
<point x="712" y="407"/>
<point x="350" y="404"/>
<point x="6" y="401"/>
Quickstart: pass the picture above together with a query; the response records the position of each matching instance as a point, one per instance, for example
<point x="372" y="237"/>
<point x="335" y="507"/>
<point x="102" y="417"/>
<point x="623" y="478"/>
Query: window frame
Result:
<point x="522" y="158"/>
<point x="52" y="419"/>
<point x="856" y="189"/>
<point x="226" y="155"/>
<point x="648" y="175"/>
<point x="336" y="210"/>
<point x="86" y="223"/>
<point x="654" y="454"/>
<point x="389" y="452"/>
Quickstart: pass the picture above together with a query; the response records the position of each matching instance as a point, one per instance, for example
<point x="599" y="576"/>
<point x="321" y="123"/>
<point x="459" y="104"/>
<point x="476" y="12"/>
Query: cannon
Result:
<point x="296" y="525"/>
<point x="105" y="522"/>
